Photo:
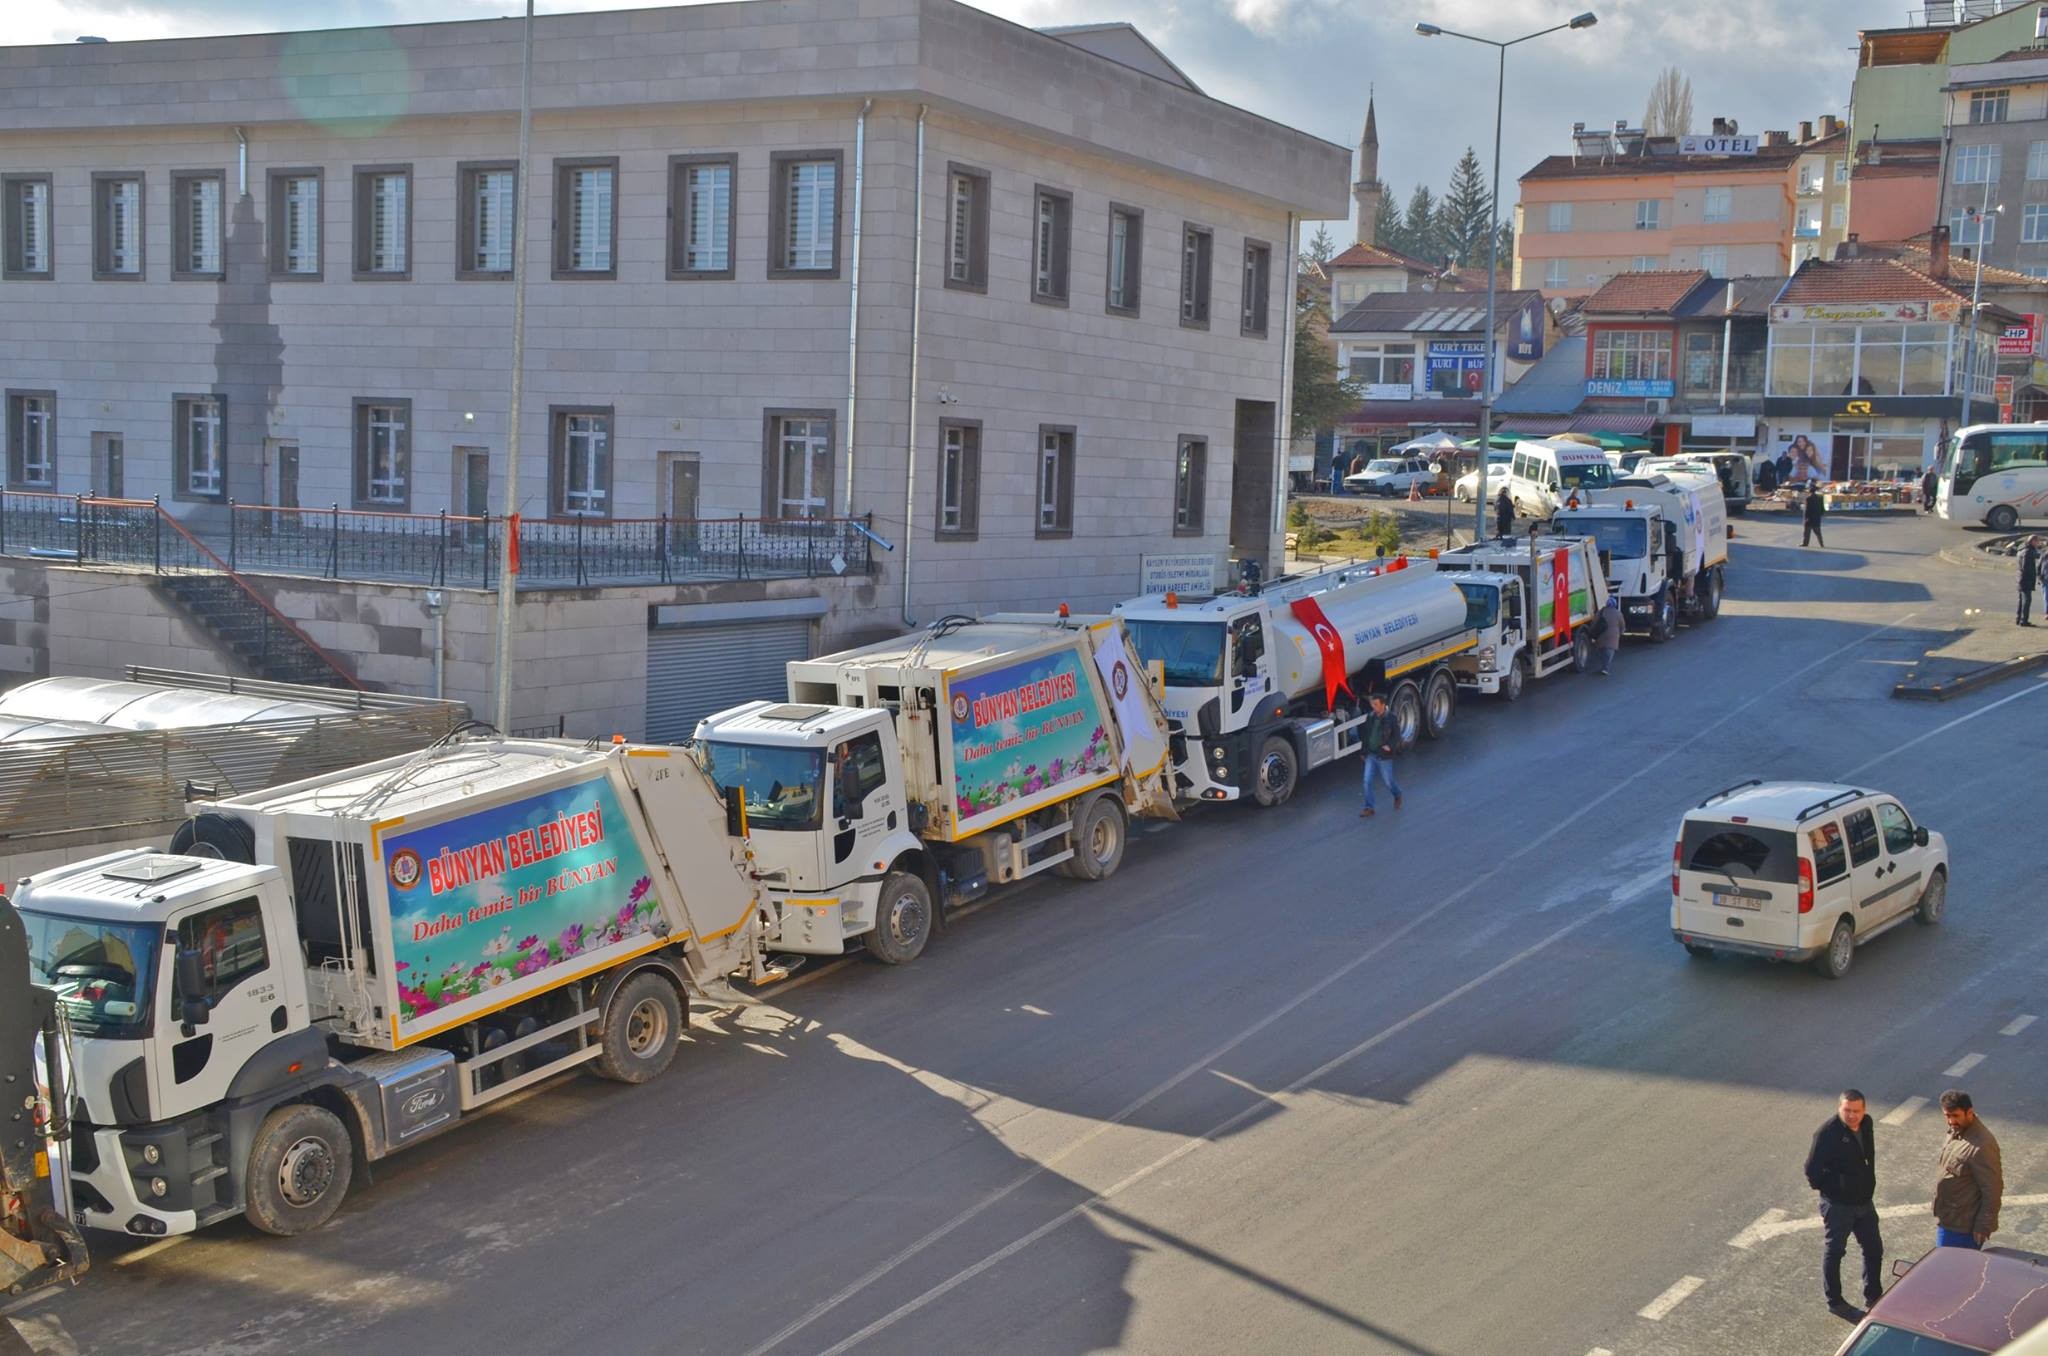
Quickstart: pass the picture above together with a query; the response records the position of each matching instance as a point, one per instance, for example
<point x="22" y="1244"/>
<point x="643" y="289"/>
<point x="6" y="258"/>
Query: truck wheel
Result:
<point x="641" y="1027"/>
<point x="1834" y="962"/>
<point x="1511" y="681"/>
<point x="1710" y="595"/>
<point x="2003" y="518"/>
<point x="1099" y="837"/>
<point x="1664" y="624"/>
<point x="1582" y="650"/>
<point x="1406" y="709"/>
<point x="1439" y="703"/>
<point x="903" y="919"/>
<point x="299" y="1170"/>
<point x="1277" y="771"/>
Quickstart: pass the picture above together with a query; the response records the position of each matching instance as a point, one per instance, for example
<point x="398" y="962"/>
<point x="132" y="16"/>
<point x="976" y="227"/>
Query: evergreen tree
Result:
<point x="1422" y="228"/>
<point x="1464" y="211"/>
<point x="1321" y="248"/>
<point x="1321" y="395"/>
<point x="1387" y="227"/>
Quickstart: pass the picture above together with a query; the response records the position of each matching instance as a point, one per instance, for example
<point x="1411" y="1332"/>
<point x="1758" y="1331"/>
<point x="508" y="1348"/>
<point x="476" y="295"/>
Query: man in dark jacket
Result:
<point x="1816" y="509"/>
<point x="1842" y="1167"/>
<point x="1783" y="461"/>
<point x="2030" y="577"/>
<point x="1927" y="487"/>
<point x="1766" y="475"/>
<point x="1609" y="635"/>
<point x="1504" y="514"/>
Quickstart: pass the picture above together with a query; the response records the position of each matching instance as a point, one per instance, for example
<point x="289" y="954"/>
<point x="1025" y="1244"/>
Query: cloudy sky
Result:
<point x="1307" y="63"/>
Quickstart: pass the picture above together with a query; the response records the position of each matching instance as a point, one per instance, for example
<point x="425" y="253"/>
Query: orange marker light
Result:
<point x="1063" y="611"/>
<point x="1172" y="599"/>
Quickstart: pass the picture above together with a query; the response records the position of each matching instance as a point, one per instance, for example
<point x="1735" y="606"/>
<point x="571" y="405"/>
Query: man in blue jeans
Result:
<point x="1379" y="753"/>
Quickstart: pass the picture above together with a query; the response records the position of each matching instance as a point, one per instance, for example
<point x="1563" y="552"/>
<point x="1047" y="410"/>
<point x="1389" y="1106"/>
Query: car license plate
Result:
<point x="1734" y="901"/>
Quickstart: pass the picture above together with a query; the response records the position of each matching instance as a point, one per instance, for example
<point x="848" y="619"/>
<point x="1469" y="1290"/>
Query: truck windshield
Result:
<point x="1482" y="604"/>
<point x="100" y="972"/>
<point x="1622" y="538"/>
<point x="1191" y="651"/>
<point x="1587" y="475"/>
<point x="781" y="784"/>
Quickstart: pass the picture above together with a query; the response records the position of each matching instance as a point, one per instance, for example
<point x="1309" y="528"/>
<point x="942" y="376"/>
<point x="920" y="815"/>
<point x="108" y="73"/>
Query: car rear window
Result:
<point x="1741" y="850"/>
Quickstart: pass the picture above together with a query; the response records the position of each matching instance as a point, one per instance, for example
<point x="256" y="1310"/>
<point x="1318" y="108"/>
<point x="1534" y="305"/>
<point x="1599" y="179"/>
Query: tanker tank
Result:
<point x="1375" y="617"/>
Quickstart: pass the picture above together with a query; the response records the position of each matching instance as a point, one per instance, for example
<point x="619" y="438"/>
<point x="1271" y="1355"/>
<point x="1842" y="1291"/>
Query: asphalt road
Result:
<point x="1440" y="1082"/>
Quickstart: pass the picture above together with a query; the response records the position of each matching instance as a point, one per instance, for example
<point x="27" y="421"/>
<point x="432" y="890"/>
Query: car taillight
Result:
<point x="1677" y="856"/>
<point x="1805" y="886"/>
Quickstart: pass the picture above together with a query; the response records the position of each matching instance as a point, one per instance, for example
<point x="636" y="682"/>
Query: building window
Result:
<point x="1631" y="355"/>
<point x="580" y="461"/>
<point x="1853" y="360"/>
<point x="1964" y="228"/>
<point x="1808" y="222"/>
<point x="31" y="440"/>
<point x="1977" y="164"/>
<point x="486" y="198"/>
<point x="1645" y="263"/>
<point x="1560" y="216"/>
<point x="1720" y="204"/>
<point x="2034" y="223"/>
<point x="1557" y="273"/>
<point x="383" y="454"/>
<point x="1255" y="301"/>
<point x="295" y="227"/>
<point x="1190" y="479"/>
<point x="117" y="226"/>
<point x="383" y="221"/>
<point x="967" y="194"/>
<point x="1648" y="212"/>
<point x="586" y="218"/>
<point x="700" y="215"/>
<point x="1051" y="228"/>
<point x="1055" y="481"/>
<point x="196" y="226"/>
<point x="803" y="215"/>
<point x="198" y="454"/>
<point x="2037" y="157"/>
<point x="1989" y="105"/>
<point x="1126" y="259"/>
<point x="796" y="464"/>
<point x="959" y="478"/>
<point x="27" y="225"/>
<point x="1841" y="171"/>
<point x="1702" y="361"/>
<point x="1383" y="364"/>
<point x="1196" y="244"/>
<point x="1838" y="215"/>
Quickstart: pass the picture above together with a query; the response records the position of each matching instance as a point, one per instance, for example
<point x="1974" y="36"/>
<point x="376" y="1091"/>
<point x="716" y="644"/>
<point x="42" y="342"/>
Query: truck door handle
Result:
<point x="277" y="1018"/>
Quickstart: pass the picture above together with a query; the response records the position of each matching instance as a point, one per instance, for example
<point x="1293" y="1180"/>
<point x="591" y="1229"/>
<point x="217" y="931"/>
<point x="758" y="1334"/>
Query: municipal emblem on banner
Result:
<point x="962" y="709"/>
<point x="405" y="868"/>
<point x="1120" y="680"/>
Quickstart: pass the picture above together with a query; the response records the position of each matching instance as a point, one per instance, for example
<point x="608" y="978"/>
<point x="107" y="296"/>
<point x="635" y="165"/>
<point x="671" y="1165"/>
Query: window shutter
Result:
<point x="963" y="224"/>
<point x="970" y="490"/>
<point x="33" y="229"/>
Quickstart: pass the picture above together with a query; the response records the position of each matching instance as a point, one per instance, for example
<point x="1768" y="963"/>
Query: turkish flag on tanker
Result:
<point x="1310" y="614"/>
<point x="1561" y="592"/>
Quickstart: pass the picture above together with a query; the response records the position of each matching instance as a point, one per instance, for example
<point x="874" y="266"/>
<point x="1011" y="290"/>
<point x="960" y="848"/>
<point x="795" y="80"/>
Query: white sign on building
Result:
<point x="1191" y="572"/>
<point x="1717" y="145"/>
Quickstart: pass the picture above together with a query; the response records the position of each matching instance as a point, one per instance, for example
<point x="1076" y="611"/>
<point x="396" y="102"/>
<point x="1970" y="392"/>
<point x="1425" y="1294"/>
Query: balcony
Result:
<point x="1806" y="230"/>
<point x="1952" y="13"/>
<point x="1809" y="188"/>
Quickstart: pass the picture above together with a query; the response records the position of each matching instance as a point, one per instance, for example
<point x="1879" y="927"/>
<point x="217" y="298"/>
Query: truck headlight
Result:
<point x="1486" y="658"/>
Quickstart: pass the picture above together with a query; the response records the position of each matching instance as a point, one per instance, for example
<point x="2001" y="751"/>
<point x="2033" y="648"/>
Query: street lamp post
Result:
<point x="1586" y="20"/>
<point x="1977" y="216"/>
<point x="508" y="549"/>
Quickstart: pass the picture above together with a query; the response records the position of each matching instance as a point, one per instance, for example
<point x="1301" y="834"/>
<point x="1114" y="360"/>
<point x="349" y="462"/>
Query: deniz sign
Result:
<point x="1631" y="387"/>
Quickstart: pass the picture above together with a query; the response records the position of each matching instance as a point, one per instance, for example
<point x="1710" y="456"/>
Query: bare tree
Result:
<point x="1669" y="112"/>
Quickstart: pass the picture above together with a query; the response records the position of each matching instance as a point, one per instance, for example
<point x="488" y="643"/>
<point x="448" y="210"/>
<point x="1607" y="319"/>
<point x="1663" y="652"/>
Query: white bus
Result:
<point x="1994" y="474"/>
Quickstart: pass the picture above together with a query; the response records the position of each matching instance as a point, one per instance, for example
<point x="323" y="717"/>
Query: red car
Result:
<point x="1955" y="1302"/>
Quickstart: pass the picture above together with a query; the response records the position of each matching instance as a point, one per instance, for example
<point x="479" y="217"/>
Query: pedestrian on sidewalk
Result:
<point x="1379" y="752"/>
<point x="1504" y="513"/>
<point x="1927" y="483"/>
<point x="1610" y="633"/>
<point x="2030" y="577"/>
<point x="1842" y="1167"/>
<point x="1969" y="1180"/>
<point x="1816" y="509"/>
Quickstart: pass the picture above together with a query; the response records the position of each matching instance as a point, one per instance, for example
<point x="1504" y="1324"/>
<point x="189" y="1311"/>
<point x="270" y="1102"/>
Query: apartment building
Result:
<point x="1623" y="202"/>
<point x="1994" y="196"/>
<point x="913" y="310"/>
<point x="1820" y="190"/>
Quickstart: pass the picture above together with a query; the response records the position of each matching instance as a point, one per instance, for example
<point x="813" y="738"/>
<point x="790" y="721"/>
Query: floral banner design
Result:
<point x="1023" y="730"/>
<point x="493" y="897"/>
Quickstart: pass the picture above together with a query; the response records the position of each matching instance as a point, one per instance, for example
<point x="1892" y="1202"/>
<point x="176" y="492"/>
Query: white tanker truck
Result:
<point x="1261" y="687"/>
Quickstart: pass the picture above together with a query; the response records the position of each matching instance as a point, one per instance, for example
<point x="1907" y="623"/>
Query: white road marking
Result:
<point x="1034" y="1010"/>
<point x="1963" y="1065"/>
<point x="1759" y="1229"/>
<point x="1852" y="773"/>
<point x="1903" y="1112"/>
<point x="1599" y="1351"/>
<point x="889" y="1266"/>
<point x="1670" y="1299"/>
<point x="1780" y="1227"/>
<point x="2017" y="1025"/>
<point x="129" y="1259"/>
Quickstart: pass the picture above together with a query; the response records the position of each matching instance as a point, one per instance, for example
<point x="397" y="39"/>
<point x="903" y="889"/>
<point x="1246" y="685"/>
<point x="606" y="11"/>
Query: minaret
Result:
<point x="1368" y="190"/>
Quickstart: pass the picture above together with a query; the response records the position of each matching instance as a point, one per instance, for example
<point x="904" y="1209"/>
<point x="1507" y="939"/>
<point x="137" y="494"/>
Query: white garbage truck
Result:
<point x="912" y="775"/>
<point x="1261" y="687"/>
<point x="326" y="972"/>
<point x="1534" y="600"/>
<point x="1664" y="541"/>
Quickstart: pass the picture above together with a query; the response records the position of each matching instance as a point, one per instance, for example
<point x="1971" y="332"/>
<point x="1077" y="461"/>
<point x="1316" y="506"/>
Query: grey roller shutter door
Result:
<point x="693" y="671"/>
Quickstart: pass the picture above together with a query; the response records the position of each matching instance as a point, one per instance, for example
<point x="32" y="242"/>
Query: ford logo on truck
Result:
<point x="423" y="1101"/>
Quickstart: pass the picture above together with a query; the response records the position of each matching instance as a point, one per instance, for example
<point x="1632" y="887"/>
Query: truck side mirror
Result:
<point x="735" y="812"/>
<point x="192" y="984"/>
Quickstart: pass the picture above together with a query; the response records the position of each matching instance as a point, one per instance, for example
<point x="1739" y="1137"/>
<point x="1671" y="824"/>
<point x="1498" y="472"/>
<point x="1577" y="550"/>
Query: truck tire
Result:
<point x="1664" y="622"/>
<point x="1512" y="680"/>
<point x="299" y="1170"/>
<point x="1100" y="832"/>
<point x="1439" y="704"/>
<point x="1710" y="595"/>
<point x="903" y="919"/>
<point x="1277" y="772"/>
<point x="216" y="836"/>
<point x="1835" y="958"/>
<point x="1406" y="709"/>
<point x="640" y="1029"/>
<point x="2003" y="518"/>
<point x="1582" y="649"/>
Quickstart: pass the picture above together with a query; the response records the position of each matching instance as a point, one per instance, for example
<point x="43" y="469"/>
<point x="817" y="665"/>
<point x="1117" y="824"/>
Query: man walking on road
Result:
<point x="1927" y="484"/>
<point x="1504" y="514"/>
<point x="1610" y="633"/>
<point x="2030" y="576"/>
<point x="1842" y="1167"/>
<point x="1969" y="1179"/>
<point x="1379" y="753"/>
<point x="1816" y="509"/>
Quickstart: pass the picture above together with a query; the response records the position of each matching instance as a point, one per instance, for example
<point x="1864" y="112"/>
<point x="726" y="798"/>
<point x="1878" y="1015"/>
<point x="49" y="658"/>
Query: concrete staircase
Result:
<point x="258" y="639"/>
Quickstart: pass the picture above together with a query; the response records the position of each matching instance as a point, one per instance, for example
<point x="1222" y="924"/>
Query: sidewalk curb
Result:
<point x="1971" y="558"/>
<point x="1971" y="681"/>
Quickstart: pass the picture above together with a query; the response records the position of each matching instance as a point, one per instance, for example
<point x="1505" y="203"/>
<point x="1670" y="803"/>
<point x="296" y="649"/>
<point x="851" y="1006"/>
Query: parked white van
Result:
<point x="1801" y="871"/>
<point x="1994" y="474"/>
<point x="1542" y="474"/>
